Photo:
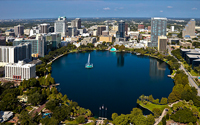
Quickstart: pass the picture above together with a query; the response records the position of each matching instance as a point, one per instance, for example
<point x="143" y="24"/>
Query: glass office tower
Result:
<point x="158" y="28"/>
<point x="121" y="29"/>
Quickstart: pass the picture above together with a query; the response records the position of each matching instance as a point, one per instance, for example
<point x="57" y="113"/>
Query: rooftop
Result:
<point x="193" y="56"/>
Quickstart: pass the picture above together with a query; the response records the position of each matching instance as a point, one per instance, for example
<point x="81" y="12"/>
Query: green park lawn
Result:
<point x="150" y="106"/>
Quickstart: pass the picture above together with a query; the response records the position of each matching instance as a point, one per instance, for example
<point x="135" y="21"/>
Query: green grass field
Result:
<point x="150" y="106"/>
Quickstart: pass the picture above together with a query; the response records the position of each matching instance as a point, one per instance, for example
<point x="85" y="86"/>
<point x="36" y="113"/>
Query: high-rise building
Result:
<point x="13" y="54"/>
<point x="38" y="45"/>
<point x="53" y="41"/>
<point x="76" y="23"/>
<point x="189" y="30"/>
<point x="172" y="28"/>
<point x="2" y="40"/>
<point x="60" y="26"/>
<point x="126" y="28"/>
<point x="72" y="31"/>
<point x="100" y="28"/>
<point x="44" y="28"/>
<point x="140" y="26"/>
<point x="158" y="28"/>
<point x="162" y="43"/>
<point x="121" y="29"/>
<point x="19" y="30"/>
<point x="20" y="71"/>
<point x="42" y="45"/>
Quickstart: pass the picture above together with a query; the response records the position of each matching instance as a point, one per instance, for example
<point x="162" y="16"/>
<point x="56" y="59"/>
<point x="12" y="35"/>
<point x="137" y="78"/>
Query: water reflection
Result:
<point x="157" y="68"/>
<point x="120" y="59"/>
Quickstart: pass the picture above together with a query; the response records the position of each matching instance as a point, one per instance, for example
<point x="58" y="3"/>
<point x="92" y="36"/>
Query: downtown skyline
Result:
<point x="22" y="9"/>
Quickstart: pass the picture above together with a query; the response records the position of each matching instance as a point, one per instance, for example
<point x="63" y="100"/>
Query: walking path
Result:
<point x="165" y="112"/>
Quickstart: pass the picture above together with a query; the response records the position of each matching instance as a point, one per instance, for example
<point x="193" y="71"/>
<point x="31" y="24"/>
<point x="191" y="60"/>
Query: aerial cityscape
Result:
<point x="99" y="62"/>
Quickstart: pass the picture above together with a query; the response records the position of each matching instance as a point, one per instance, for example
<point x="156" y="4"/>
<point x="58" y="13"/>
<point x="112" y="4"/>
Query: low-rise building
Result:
<point x="87" y="40"/>
<point x="106" y="38"/>
<point x="20" y="71"/>
<point x="186" y="44"/>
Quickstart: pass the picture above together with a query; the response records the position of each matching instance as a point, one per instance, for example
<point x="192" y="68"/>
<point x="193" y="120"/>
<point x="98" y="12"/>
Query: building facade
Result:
<point x="76" y="23"/>
<point x="44" y="28"/>
<point x="19" y="30"/>
<point x="121" y="29"/>
<point x="106" y="38"/>
<point x="100" y="29"/>
<point x="162" y="43"/>
<point x="158" y="28"/>
<point x="20" y="71"/>
<point x="12" y="54"/>
<point x="60" y="26"/>
<point x="2" y="40"/>
<point x="189" y="30"/>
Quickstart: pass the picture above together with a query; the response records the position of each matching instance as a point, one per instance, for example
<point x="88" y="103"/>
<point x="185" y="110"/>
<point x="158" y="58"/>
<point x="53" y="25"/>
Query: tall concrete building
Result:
<point x="20" y="71"/>
<point x="12" y="54"/>
<point x="189" y="30"/>
<point x="172" y="28"/>
<point x="121" y="29"/>
<point x="76" y="23"/>
<point x="42" y="45"/>
<point x="53" y="41"/>
<point x="158" y="28"/>
<point x="162" y="43"/>
<point x="100" y="28"/>
<point x="60" y="26"/>
<point x="38" y="45"/>
<point x="126" y="28"/>
<point x="44" y="28"/>
<point x="2" y="40"/>
<point x="19" y="30"/>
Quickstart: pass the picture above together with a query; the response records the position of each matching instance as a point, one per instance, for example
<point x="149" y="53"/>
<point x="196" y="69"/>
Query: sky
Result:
<point x="26" y="9"/>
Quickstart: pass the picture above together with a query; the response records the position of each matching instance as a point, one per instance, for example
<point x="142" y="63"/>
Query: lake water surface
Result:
<point x="116" y="81"/>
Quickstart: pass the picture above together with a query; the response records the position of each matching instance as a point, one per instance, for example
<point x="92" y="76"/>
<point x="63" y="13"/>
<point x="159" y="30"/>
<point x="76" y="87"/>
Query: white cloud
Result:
<point x="169" y="7"/>
<point x="194" y="8"/>
<point x="161" y="11"/>
<point x="107" y="8"/>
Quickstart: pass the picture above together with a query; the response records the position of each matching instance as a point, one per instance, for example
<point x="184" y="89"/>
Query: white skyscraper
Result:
<point x="60" y="26"/>
<point x="12" y="54"/>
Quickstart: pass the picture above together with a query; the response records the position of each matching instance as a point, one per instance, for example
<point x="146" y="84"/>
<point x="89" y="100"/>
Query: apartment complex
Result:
<point x="20" y="71"/>
<point x="11" y="54"/>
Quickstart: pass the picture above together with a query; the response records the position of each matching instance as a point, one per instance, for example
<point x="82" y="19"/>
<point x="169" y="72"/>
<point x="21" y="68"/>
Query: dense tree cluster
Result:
<point x="184" y="115"/>
<point x="8" y="98"/>
<point x="136" y="117"/>
<point x="182" y="90"/>
<point x="177" y="54"/>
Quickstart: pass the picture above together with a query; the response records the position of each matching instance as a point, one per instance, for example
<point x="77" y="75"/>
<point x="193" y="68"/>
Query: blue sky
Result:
<point x="20" y="9"/>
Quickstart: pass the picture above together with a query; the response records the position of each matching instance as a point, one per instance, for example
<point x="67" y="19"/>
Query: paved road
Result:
<point x="191" y="81"/>
<point x="190" y="78"/>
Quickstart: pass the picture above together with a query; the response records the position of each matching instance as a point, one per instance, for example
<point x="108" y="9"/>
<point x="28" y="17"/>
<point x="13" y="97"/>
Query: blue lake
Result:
<point x="116" y="81"/>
